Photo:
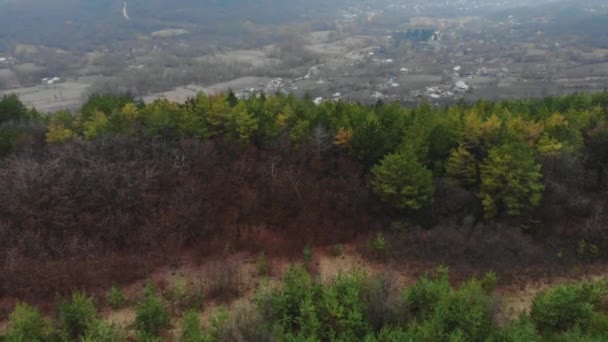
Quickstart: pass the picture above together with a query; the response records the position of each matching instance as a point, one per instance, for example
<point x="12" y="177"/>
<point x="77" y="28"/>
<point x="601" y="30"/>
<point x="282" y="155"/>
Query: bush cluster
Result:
<point x="351" y="307"/>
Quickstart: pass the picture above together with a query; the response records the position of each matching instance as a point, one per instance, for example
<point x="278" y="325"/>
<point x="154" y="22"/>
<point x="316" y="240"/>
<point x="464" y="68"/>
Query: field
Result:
<point x="51" y="98"/>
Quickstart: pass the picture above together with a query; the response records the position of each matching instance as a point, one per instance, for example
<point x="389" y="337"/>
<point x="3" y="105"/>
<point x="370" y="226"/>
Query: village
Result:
<point x="401" y="51"/>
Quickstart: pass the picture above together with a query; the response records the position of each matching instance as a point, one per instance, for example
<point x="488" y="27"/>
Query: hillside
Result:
<point x="205" y="199"/>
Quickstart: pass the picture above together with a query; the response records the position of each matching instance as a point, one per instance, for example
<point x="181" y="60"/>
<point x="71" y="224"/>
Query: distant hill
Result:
<point x="82" y="24"/>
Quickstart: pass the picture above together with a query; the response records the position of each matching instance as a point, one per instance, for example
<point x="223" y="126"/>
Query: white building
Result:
<point x="462" y="86"/>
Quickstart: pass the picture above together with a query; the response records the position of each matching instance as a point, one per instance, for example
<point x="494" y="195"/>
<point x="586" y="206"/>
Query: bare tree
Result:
<point x="273" y="168"/>
<point x="294" y="175"/>
<point x="320" y="140"/>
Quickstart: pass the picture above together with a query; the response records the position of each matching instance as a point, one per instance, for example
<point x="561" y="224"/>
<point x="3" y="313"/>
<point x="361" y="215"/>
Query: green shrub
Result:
<point x="431" y="329"/>
<point x="380" y="246"/>
<point x="468" y="310"/>
<point x="75" y="316"/>
<point x="340" y="308"/>
<point x="27" y="324"/>
<point x="521" y="329"/>
<point x="304" y="308"/>
<point x="390" y="334"/>
<point x="178" y="288"/>
<point x="423" y="297"/>
<point x="217" y="324"/>
<point x="489" y="282"/>
<point x="116" y="298"/>
<point x="578" y="335"/>
<point x="100" y="331"/>
<point x="283" y="304"/>
<point x="598" y="325"/>
<point x="185" y="295"/>
<point x="561" y="308"/>
<point x="151" y="316"/>
<point x="307" y="254"/>
<point x="337" y="251"/>
<point x="586" y="250"/>
<point x="462" y="314"/>
<point x="146" y="337"/>
<point x="192" y="329"/>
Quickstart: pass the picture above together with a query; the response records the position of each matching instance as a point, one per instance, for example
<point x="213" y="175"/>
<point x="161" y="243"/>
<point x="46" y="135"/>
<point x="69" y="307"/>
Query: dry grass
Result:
<point x="121" y="318"/>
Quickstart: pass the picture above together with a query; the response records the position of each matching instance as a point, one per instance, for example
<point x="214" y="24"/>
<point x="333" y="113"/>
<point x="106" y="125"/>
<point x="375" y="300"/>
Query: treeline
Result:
<point x="351" y="307"/>
<point x="497" y="184"/>
<point x="496" y="149"/>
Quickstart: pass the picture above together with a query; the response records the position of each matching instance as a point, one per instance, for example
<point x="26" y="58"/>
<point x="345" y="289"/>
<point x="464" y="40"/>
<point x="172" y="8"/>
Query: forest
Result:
<point x="103" y="195"/>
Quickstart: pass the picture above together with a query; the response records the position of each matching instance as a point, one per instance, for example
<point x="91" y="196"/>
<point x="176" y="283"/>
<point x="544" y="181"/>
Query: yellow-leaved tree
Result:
<point x="511" y="181"/>
<point x="462" y="166"/>
<point x="242" y="125"/>
<point x="57" y="134"/>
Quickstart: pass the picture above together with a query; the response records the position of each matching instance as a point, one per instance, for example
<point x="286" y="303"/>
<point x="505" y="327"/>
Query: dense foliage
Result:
<point x="505" y="141"/>
<point x="350" y="307"/>
<point x="518" y="181"/>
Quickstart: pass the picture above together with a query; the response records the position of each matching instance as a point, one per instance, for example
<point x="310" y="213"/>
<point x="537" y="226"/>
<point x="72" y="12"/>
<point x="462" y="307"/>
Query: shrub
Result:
<point x="489" y="282"/>
<point x="380" y="246"/>
<point x="151" y="316"/>
<point x="217" y="324"/>
<point x="464" y="314"/>
<point x="520" y="330"/>
<point x="586" y="250"/>
<point x="561" y="308"/>
<point x="192" y="329"/>
<point x="340" y="308"/>
<point x="27" y="324"/>
<point x="185" y="295"/>
<point x="423" y="297"/>
<point x="115" y="297"/>
<point x="307" y="254"/>
<point x="178" y="289"/>
<point x="468" y="310"/>
<point x="145" y="337"/>
<point x="77" y="315"/>
<point x="283" y="304"/>
<point x="304" y="308"/>
<point x="100" y="331"/>
<point x="337" y="251"/>
<point x="598" y="325"/>
<point x="390" y="334"/>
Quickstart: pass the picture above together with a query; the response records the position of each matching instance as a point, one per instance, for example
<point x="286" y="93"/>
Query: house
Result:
<point x="51" y="80"/>
<point x="461" y="86"/>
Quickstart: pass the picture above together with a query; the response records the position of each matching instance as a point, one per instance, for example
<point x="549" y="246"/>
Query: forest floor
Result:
<point x="243" y="273"/>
